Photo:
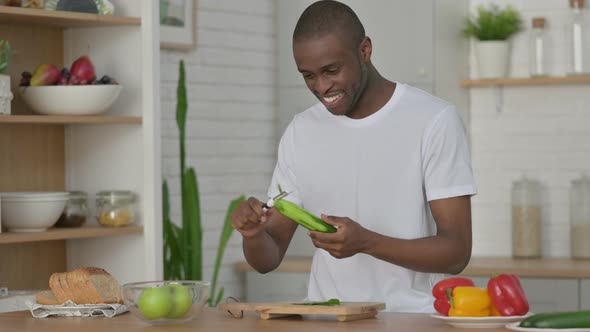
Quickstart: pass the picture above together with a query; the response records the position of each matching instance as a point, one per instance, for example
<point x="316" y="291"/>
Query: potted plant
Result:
<point x="492" y="28"/>
<point x="5" y="93"/>
<point x="183" y="245"/>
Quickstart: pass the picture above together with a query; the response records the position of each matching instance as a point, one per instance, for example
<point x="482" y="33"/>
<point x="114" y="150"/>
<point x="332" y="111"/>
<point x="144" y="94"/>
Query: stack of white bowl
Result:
<point x="31" y="211"/>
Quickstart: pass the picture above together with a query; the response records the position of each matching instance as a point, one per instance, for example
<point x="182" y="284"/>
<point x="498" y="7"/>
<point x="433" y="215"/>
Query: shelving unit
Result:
<point x="69" y="119"/>
<point x="499" y="83"/>
<point x="28" y="16"/>
<point x="68" y="233"/>
<point x="526" y="81"/>
<point x="116" y="150"/>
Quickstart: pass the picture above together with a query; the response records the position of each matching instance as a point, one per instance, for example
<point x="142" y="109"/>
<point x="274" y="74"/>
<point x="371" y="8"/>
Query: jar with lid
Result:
<point x="538" y="48"/>
<point x="76" y="210"/>
<point x="580" y="217"/>
<point x="526" y="219"/>
<point x="115" y="208"/>
<point x="578" y="39"/>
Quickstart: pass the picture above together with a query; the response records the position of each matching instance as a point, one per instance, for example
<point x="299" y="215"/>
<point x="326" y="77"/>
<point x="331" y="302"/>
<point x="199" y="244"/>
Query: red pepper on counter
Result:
<point x="441" y="301"/>
<point x="507" y="295"/>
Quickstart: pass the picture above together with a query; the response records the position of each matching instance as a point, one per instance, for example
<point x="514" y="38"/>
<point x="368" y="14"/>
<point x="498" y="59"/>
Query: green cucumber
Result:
<point x="330" y="302"/>
<point x="558" y="320"/>
<point x="302" y="217"/>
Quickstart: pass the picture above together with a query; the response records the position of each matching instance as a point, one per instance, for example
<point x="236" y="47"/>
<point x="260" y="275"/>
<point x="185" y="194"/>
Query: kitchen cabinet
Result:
<point x="118" y="150"/>
<point x="414" y="42"/>
<point x="551" y="284"/>
<point x="523" y="81"/>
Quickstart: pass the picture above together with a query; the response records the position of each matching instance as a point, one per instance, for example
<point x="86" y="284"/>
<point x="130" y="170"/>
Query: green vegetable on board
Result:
<point x="330" y="302"/>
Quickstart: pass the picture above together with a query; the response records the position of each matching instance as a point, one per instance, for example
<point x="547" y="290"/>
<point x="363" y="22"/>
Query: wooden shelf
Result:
<point x="68" y="233"/>
<point x="29" y="16"/>
<point x="68" y="119"/>
<point x="582" y="79"/>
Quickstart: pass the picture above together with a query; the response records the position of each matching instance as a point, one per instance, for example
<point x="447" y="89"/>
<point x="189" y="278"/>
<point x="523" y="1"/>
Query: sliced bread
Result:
<point x="46" y="297"/>
<point x="86" y="285"/>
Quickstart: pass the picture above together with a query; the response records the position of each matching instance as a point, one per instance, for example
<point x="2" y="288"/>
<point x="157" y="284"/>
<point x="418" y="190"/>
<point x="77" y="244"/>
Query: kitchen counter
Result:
<point x="213" y="320"/>
<point x="478" y="266"/>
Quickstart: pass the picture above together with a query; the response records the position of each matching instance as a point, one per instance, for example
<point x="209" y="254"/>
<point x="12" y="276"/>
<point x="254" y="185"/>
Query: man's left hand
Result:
<point x="350" y="238"/>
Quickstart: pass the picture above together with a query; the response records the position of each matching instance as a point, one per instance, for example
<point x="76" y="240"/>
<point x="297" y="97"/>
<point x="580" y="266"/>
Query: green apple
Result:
<point x="181" y="300"/>
<point x="155" y="302"/>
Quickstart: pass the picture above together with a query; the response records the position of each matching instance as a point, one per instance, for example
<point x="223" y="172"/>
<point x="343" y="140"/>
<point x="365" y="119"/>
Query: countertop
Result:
<point x="212" y="320"/>
<point x="478" y="266"/>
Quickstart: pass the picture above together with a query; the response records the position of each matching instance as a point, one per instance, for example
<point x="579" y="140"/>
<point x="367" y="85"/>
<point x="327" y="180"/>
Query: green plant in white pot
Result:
<point x="5" y="93"/>
<point x="492" y="28"/>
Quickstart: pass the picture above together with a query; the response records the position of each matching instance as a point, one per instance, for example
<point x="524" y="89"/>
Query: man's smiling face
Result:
<point x="333" y="71"/>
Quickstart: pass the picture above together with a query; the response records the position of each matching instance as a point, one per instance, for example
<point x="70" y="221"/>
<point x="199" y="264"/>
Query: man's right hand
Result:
<point x="249" y="218"/>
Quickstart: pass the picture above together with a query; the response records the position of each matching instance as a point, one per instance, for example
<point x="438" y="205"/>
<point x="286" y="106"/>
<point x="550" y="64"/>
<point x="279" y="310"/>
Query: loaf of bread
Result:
<point x="86" y="285"/>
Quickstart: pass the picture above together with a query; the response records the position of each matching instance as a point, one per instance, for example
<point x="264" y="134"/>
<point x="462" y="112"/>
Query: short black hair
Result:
<point x="328" y="16"/>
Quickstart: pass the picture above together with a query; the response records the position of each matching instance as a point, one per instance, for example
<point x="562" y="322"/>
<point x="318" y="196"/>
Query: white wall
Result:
<point x="542" y="131"/>
<point x="231" y="139"/>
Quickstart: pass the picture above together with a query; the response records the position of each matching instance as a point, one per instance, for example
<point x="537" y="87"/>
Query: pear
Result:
<point x="45" y="74"/>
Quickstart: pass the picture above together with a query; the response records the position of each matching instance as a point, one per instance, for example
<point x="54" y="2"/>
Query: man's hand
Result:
<point x="350" y="238"/>
<point x="249" y="218"/>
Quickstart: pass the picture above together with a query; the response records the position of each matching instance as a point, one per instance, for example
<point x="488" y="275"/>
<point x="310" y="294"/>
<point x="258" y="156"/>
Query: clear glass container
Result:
<point x="578" y="39"/>
<point x="115" y="208"/>
<point x="538" y="48"/>
<point x="76" y="210"/>
<point x="580" y="217"/>
<point x="527" y="241"/>
<point x="33" y="4"/>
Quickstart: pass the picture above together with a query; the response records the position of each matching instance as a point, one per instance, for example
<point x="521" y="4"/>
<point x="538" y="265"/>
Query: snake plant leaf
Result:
<point x="218" y="298"/>
<point x="192" y="231"/>
<point x="172" y="234"/>
<point x="181" y="102"/>
<point x="226" y="233"/>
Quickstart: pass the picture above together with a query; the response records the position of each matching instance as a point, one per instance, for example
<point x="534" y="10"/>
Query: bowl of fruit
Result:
<point x="166" y="302"/>
<point x="73" y="91"/>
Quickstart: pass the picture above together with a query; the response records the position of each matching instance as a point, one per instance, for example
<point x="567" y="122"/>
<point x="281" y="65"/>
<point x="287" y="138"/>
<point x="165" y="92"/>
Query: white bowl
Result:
<point x="31" y="211"/>
<point x="70" y="99"/>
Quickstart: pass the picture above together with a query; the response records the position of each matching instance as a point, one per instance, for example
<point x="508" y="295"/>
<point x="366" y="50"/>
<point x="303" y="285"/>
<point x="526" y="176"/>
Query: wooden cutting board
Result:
<point x="346" y="311"/>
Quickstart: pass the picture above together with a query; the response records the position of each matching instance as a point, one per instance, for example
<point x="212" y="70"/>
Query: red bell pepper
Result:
<point x="507" y="295"/>
<point x="441" y="301"/>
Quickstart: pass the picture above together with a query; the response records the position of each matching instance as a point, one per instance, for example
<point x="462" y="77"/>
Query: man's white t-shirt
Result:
<point x="380" y="171"/>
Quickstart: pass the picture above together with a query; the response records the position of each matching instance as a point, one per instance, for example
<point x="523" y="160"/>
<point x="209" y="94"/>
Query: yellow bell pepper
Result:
<point x="469" y="302"/>
<point x="494" y="311"/>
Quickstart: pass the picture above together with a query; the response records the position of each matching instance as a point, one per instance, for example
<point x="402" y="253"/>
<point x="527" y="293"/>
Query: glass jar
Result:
<point x="76" y="210"/>
<point x="580" y="217"/>
<point x="578" y="38"/>
<point x="538" y="48"/>
<point x="115" y="208"/>
<point x="33" y="4"/>
<point x="526" y="219"/>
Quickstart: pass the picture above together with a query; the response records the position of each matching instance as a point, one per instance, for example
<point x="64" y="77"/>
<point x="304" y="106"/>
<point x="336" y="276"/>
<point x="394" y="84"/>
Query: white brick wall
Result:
<point x="231" y="139"/>
<point x="542" y="131"/>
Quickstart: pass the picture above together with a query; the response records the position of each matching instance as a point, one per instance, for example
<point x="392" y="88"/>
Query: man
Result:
<point x="384" y="162"/>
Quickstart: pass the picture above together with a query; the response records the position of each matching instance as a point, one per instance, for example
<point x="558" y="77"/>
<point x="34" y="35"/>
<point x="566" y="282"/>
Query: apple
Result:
<point x="155" y="302"/>
<point x="181" y="300"/>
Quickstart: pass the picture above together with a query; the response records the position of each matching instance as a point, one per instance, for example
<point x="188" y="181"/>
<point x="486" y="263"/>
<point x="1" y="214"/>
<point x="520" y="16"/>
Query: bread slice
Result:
<point x="77" y="287"/>
<point x="104" y="287"/>
<point x="67" y="289"/>
<point x="46" y="297"/>
<point x="55" y="286"/>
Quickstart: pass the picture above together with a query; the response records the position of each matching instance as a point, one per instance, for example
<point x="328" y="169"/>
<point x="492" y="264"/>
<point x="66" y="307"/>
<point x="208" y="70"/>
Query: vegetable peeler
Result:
<point x="271" y="201"/>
